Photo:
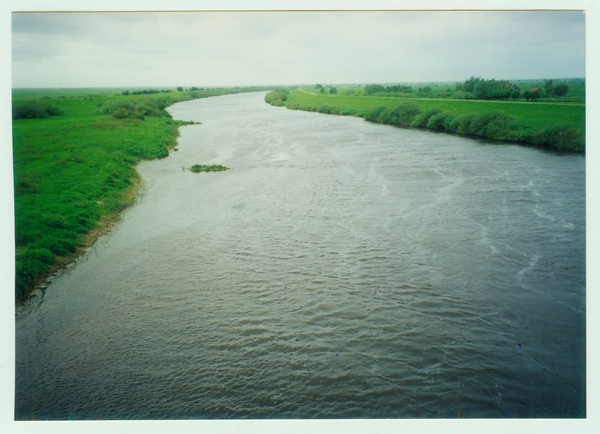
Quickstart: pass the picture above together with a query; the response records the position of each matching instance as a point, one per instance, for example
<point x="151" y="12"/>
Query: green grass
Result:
<point x="74" y="173"/>
<point x="530" y="118"/>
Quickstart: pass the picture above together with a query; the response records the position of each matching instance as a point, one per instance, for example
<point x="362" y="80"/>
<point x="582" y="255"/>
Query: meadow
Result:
<point x="74" y="170"/>
<point x="549" y="122"/>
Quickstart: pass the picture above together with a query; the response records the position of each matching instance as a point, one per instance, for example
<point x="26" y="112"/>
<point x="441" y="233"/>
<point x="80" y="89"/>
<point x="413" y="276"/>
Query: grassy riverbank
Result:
<point x="74" y="168"/>
<point x="557" y="125"/>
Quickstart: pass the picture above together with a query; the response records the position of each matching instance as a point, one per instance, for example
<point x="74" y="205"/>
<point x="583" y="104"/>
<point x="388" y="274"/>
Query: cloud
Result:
<point x="231" y="48"/>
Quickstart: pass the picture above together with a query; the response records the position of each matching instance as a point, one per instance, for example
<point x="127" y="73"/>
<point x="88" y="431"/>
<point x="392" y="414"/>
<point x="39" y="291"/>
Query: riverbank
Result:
<point x="75" y="173"/>
<point x="555" y="125"/>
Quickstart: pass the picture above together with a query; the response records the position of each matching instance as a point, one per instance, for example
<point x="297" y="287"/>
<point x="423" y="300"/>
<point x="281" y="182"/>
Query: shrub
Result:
<point x="386" y="116"/>
<point x="494" y="125"/>
<point x="196" y="168"/>
<point x="406" y="112"/>
<point x="563" y="137"/>
<point x="423" y="118"/>
<point x="372" y="113"/>
<point x="120" y="113"/>
<point x="35" y="110"/>
<point x="441" y="121"/>
<point x="461" y="123"/>
<point x="279" y="94"/>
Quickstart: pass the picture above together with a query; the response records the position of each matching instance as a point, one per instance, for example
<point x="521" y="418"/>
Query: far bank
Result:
<point x="555" y="125"/>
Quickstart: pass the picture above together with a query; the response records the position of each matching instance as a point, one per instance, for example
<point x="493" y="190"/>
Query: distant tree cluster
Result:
<point x="487" y="89"/>
<point x="373" y="88"/>
<point x="532" y="94"/>
<point x="424" y="90"/>
<point x="35" y="110"/>
<point x="145" y="92"/>
<point x="398" y="89"/>
<point x="558" y="90"/>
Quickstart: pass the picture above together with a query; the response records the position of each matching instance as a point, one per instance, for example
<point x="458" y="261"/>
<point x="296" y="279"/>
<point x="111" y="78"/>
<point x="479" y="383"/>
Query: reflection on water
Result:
<point x="340" y="269"/>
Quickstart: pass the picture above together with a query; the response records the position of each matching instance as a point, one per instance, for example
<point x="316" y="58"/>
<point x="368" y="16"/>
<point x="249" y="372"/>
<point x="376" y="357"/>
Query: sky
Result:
<point x="145" y="49"/>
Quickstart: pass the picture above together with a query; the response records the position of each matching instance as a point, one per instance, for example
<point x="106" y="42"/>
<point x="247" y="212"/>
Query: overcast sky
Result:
<point x="265" y="48"/>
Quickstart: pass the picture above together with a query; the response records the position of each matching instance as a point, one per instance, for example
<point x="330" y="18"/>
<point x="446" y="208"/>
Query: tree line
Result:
<point x="471" y="88"/>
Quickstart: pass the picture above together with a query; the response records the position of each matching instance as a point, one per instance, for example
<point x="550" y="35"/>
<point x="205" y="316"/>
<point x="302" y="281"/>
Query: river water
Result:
<point x="340" y="269"/>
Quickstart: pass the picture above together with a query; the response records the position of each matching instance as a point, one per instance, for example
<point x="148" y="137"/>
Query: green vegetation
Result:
<point x="74" y="169"/>
<point x="277" y="97"/>
<point x="572" y="90"/>
<point x="35" y="110"/>
<point x="553" y="123"/>
<point x="196" y="168"/>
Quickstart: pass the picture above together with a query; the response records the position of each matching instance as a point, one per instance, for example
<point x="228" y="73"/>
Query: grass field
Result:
<point x="74" y="173"/>
<point x="530" y="118"/>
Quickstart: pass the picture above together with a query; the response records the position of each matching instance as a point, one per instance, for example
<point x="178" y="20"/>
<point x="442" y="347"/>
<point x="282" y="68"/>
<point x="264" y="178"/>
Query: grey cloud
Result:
<point x="292" y="47"/>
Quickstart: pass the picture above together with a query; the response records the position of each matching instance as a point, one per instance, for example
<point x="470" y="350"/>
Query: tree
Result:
<point x="125" y="92"/>
<point x="548" y="87"/>
<point x="561" y="89"/>
<point x="373" y="88"/>
<point x="323" y="90"/>
<point x="515" y="94"/>
<point x="333" y="91"/>
<point x="469" y="85"/>
<point x="481" y="90"/>
<point x="180" y="89"/>
<point x="532" y="94"/>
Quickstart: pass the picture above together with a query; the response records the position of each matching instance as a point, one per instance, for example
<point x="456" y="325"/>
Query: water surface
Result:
<point x="340" y="269"/>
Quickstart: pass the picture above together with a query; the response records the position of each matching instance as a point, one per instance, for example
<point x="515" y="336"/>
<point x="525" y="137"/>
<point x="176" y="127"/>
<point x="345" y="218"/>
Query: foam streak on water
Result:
<point x="340" y="269"/>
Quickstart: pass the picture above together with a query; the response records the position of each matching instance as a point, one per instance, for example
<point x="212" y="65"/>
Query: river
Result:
<point x="340" y="269"/>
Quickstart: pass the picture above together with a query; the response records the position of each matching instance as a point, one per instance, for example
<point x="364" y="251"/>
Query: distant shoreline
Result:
<point x="557" y="126"/>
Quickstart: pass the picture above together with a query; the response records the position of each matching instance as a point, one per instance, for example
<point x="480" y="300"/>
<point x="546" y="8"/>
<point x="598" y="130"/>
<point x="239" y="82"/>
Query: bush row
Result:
<point x="35" y="110"/>
<point x="125" y="108"/>
<point x="495" y="124"/>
